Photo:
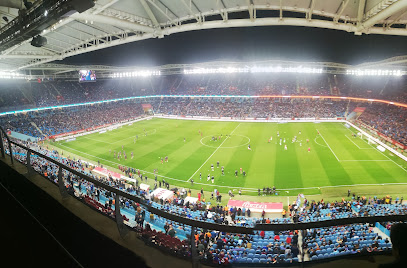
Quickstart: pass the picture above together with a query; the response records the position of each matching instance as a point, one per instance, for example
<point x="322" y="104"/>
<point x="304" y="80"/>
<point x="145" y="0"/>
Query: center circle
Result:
<point x="207" y="139"/>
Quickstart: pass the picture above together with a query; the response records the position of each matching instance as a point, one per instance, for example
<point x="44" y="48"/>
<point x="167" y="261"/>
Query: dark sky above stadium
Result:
<point x="250" y="44"/>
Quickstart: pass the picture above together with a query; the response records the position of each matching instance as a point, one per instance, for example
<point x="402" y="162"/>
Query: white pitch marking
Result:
<point x="213" y="153"/>
<point x="141" y="135"/>
<point x="328" y="146"/>
<point x="319" y="143"/>
<point x="230" y="147"/>
<point x="381" y="152"/>
<point x="357" y="145"/>
<point x="365" y="160"/>
<point x="387" y="157"/>
<point x="253" y="189"/>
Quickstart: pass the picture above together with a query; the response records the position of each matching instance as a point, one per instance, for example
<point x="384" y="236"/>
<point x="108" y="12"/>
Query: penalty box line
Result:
<point x="357" y="145"/>
<point x="354" y="160"/>
<point x="213" y="153"/>
<point x="380" y="152"/>
<point x="328" y="146"/>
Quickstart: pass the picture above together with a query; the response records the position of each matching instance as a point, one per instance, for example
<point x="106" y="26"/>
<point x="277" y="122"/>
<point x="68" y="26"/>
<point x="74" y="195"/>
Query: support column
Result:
<point x="29" y="167"/>
<point x="119" y="218"/>
<point x="194" y="255"/>
<point x="2" y="145"/>
<point x="61" y="184"/>
<point x="11" y="151"/>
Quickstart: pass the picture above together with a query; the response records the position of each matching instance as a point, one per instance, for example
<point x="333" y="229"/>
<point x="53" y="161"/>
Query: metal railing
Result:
<point x="170" y="216"/>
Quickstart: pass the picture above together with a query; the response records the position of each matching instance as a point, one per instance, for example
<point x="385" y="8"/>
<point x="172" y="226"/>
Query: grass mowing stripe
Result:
<point x="192" y="153"/>
<point x="309" y="161"/>
<point x="287" y="171"/>
<point x="255" y="189"/>
<point x="334" y="170"/>
<point x="353" y="131"/>
<point x="356" y="144"/>
<point x="364" y="164"/>
<point x="214" y="152"/>
<point x="263" y="155"/>
<point x="315" y="169"/>
<point x="328" y="145"/>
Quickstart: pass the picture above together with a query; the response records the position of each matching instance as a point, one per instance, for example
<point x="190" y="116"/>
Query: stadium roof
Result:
<point x="115" y="22"/>
<point x="70" y="72"/>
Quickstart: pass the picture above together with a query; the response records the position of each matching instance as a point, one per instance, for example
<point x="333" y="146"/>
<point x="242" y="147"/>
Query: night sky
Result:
<point x="250" y="44"/>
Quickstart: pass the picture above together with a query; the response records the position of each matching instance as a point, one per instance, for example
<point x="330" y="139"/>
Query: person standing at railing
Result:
<point x="398" y="236"/>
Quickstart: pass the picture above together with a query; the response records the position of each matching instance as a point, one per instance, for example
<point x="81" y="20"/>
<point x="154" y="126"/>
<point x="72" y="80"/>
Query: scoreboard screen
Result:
<point x="87" y="76"/>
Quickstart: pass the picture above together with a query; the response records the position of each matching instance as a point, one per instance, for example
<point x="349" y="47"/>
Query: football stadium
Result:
<point x="179" y="133"/>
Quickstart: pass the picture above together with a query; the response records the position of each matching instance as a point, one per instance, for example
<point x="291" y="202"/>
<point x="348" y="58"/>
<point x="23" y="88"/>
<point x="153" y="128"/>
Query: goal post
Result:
<point x="366" y="138"/>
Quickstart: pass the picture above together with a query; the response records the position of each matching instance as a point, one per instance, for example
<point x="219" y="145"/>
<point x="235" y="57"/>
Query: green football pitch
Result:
<point x="335" y="159"/>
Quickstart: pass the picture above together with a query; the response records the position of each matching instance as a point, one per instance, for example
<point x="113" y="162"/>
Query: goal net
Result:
<point x="366" y="138"/>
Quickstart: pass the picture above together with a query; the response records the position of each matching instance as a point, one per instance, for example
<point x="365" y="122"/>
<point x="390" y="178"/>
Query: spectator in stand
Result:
<point x="171" y="231"/>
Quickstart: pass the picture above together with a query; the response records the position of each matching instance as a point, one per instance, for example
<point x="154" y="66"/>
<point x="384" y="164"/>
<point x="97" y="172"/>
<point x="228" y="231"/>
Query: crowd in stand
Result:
<point x="46" y="123"/>
<point x="387" y="119"/>
<point x="357" y="206"/>
<point x="49" y="92"/>
<point x="241" y="108"/>
<point x="223" y="248"/>
<point x="342" y="240"/>
<point x="307" y="212"/>
<point x="212" y="247"/>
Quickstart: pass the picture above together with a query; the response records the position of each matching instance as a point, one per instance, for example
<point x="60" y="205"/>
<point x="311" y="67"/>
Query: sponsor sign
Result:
<point x="106" y="172"/>
<point x="256" y="206"/>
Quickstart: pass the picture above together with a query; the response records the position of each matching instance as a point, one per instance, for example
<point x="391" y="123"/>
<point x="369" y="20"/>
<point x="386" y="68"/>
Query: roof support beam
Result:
<point x="7" y="14"/>
<point x="191" y="12"/>
<point x="150" y="13"/>
<point x="221" y="2"/>
<point x="69" y="36"/>
<point x="252" y="10"/>
<point x="382" y="15"/>
<point x="340" y="10"/>
<point x="171" y="20"/>
<point x="388" y="25"/>
<point x="113" y="21"/>
<point x="166" y="8"/>
<point x="54" y="46"/>
<point x="50" y="49"/>
<point x="361" y="10"/>
<point x="59" y="40"/>
<point x="80" y="49"/>
<point x="94" y="27"/>
<point x="222" y="9"/>
<point x="101" y="8"/>
<point x="64" y="22"/>
<point x="193" y="3"/>
<point x="13" y="56"/>
<point x="311" y="9"/>
<point x="281" y="9"/>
